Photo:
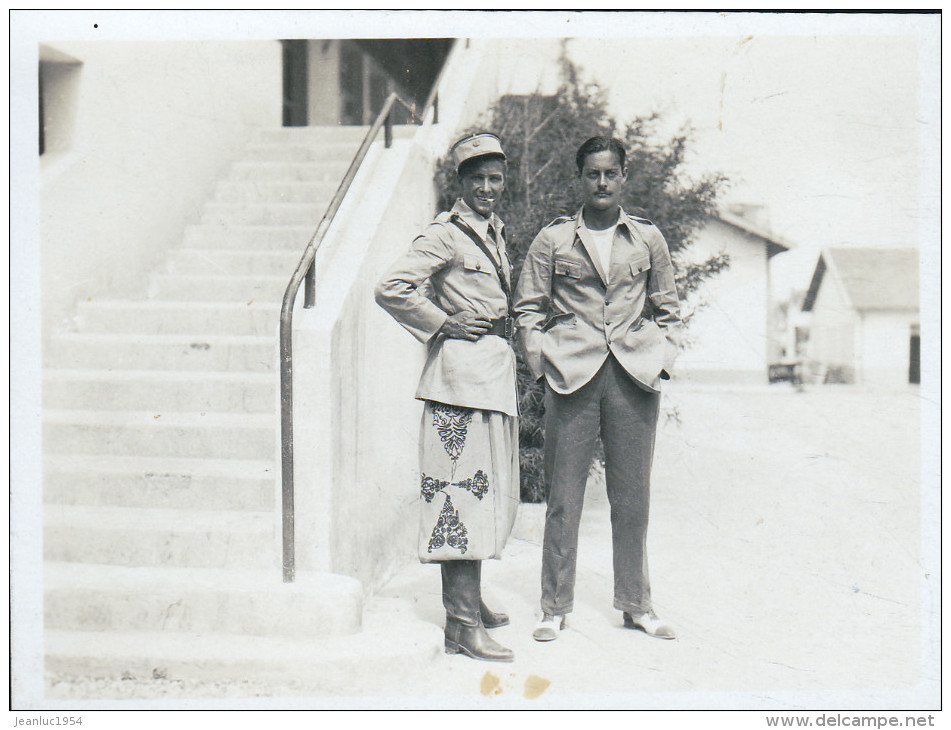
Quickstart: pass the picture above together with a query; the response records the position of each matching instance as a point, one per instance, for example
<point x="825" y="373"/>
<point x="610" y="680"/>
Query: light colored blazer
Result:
<point x="572" y="313"/>
<point x="443" y="273"/>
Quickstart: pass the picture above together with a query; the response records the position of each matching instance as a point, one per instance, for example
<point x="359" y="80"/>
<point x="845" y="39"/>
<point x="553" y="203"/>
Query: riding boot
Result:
<point x="465" y="633"/>
<point x="490" y="619"/>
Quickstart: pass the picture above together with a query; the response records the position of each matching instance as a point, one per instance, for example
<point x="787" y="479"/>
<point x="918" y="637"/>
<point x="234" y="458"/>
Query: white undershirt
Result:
<point x="603" y="241"/>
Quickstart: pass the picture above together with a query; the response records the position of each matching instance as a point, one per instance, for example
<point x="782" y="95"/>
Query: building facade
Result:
<point x="865" y="321"/>
<point x="730" y="337"/>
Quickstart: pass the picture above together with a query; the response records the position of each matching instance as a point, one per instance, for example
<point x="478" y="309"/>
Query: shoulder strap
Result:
<point x="560" y="219"/>
<point x="460" y="224"/>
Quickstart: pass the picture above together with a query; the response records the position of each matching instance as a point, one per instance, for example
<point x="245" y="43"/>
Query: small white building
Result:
<point x="865" y="316"/>
<point x="730" y="335"/>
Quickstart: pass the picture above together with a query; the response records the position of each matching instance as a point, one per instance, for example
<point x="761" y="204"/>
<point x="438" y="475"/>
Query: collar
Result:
<point x="476" y="222"/>
<point x="623" y="219"/>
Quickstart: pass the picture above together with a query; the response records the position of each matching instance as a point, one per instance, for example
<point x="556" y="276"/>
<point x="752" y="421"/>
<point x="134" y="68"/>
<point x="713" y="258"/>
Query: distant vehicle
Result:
<point x="786" y="372"/>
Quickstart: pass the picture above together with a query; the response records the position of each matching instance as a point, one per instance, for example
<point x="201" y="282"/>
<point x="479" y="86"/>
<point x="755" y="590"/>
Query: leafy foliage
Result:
<point x="540" y="135"/>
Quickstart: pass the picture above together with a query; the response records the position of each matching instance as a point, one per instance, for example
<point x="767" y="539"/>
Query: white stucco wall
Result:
<point x="357" y="472"/>
<point x="834" y="330"/>
<point x="355" y="377"/>
<point x="727" y="337"/>
<point x="149" y="127"/>
<point x="884" y="353"/>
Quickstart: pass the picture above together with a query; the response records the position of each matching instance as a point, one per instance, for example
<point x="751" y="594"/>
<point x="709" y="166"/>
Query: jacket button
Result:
<point x="607" y="304"/>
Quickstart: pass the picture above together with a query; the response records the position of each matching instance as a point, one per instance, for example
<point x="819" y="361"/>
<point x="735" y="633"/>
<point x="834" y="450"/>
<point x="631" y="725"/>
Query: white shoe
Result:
<point x="650" y="625"/>
<point x="549" y="627"/>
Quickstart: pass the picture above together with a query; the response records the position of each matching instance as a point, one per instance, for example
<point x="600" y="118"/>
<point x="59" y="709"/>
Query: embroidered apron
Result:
<point x="469" y="483"/>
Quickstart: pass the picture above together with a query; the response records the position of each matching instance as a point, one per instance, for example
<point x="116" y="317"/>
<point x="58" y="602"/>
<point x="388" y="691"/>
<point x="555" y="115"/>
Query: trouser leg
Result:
<point x="571" y="431"/>
<point x="628" y="429"/>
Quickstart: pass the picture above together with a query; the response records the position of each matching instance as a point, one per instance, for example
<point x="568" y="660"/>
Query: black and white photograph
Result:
<point x="476" y="360"/>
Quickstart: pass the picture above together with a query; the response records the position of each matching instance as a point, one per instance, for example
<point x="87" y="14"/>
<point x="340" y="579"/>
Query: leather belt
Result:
<point x="502" y="327"/>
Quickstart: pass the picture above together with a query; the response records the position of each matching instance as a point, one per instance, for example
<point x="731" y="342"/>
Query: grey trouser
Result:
<point x="626" y="416"/>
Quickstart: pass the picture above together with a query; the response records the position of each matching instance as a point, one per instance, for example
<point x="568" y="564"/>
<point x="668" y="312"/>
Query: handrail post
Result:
<point x="287" y="453"/>
<point x="388" y="129"/>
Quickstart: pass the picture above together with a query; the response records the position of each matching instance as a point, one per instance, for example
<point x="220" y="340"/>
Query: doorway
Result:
<point x="914" y="357"/>
<point x="294" y="54"/>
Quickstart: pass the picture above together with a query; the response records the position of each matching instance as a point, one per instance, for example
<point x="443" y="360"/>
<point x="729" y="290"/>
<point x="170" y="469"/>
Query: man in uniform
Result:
<point x="599" y="319"/>
<point x="451" y="291"/>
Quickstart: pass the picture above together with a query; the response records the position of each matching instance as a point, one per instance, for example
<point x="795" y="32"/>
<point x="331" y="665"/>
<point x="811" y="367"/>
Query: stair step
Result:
<point x="329" y="666"/>
<point x="318" y="194"/>
<point x="215" y="353"/>
<point x="224" y="262"/>
<point x="330" y="133"/>
<point x="166" y="317"/>
<point x="161" y="537"/>
<point x="298" y="150"/>
<point x="160" y="442"/>
<point x="353" y="134"/>
<point x="262" y="214"/>
<point x="160" y="482"/>
<point x="280" y="239"/>
<point x="100" y="598"/>
<point x="213" y="435"/>
<point x="218" y="288"/>
<point x="322" y="171"/>
<point x="160" y="390"/>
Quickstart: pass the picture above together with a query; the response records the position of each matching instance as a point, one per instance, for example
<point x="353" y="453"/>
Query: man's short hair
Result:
<point x="600" y="144"/>
<point x="467" y="165"/>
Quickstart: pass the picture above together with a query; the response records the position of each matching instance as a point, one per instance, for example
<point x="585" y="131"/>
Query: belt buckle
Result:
<point x="509" y="327"/>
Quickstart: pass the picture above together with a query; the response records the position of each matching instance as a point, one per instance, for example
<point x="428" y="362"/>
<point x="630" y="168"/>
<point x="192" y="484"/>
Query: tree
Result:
<point x="540" y="135"/>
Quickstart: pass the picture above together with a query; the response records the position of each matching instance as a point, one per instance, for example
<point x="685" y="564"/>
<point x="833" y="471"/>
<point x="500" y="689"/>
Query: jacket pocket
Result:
<point x="571" y="269"/>
<point x="475" y="263"/>
<point x="559" y="318"/>
<point x="640" y="264"/>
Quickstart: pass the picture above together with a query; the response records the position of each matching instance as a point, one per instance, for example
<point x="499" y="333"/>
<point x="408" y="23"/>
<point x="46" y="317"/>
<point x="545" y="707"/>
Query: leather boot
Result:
<point x="465" y="633"/>
<point x="490" y="618"/>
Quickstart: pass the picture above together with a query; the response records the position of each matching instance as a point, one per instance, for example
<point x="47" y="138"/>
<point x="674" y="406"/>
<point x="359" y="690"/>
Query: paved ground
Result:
<point x="785" y="546"/>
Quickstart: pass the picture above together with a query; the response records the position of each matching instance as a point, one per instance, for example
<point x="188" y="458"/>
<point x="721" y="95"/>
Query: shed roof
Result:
<point x="774" y="243"/>
<point x="873" y="278"/>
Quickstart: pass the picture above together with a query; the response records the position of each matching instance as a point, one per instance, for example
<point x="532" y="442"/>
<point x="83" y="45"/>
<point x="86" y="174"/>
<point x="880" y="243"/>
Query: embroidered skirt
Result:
<point x="469" y="490"/>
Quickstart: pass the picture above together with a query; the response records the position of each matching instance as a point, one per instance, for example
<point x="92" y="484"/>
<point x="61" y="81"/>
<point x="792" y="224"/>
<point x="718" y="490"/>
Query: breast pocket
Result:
<point x="476" y="263"/>
<point x="640" y="264"/>
<point x="568" y="268"/>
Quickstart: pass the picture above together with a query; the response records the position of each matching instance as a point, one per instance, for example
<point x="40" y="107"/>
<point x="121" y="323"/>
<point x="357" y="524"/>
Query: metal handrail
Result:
<point x="305" y="272"/>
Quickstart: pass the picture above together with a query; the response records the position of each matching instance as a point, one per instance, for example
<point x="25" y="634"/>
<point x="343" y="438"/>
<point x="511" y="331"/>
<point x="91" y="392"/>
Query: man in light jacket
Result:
<point x="599" y="319"/>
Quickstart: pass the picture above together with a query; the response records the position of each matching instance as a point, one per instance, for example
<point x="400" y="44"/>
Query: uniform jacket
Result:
<point x="572" y="313"/>
<point x="443" y="273"/>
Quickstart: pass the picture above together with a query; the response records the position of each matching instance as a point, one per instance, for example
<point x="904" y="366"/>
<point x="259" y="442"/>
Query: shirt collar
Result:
<point x="476" y="222"/>
<point x="621" y="219"/>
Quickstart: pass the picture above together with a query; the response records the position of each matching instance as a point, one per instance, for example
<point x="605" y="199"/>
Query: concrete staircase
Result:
<point x="160" y="438"/>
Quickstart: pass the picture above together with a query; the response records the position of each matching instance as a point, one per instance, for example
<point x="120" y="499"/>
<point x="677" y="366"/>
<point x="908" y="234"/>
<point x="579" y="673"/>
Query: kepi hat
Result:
<point x="476" y="145"/>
